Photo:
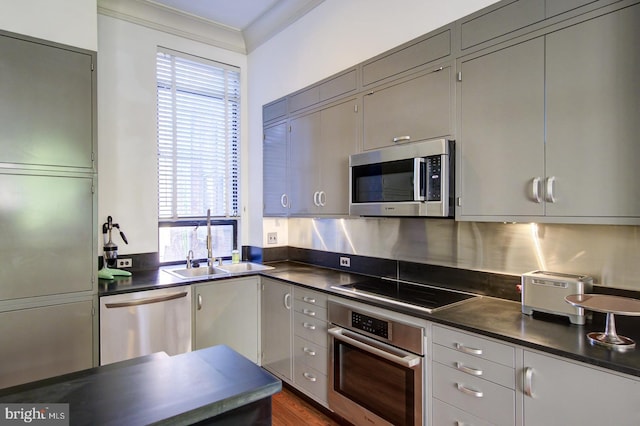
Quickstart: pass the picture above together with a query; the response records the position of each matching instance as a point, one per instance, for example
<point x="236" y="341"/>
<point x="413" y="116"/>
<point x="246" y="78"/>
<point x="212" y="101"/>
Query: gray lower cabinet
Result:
<point x="320" y="144"/>
<point x="46" y="340"/>
<point x="310" y="343"/>
<point x="275" y="166"/>
<point x="410" y="110"/>
<point x="276" y="327"/>
<point x="558" y="392"/>
<point x="473" y="379"/>
<point x="48" y="103"/>
<point x="227" y="312"/>
<point x="294" y="336"/>
<point x="501" y="134"/>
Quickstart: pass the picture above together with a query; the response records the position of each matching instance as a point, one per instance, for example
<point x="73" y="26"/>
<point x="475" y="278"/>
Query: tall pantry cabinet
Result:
<point x="48" y="249"/>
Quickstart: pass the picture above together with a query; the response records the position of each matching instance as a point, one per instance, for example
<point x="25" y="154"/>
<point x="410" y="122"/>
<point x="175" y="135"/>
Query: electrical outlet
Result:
<point x="124" y="263"/>
<point x="272" y="238"/>
<point x="345" y="261"/>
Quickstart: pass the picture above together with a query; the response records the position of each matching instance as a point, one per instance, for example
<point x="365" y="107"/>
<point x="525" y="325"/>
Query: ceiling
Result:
<point x="237" y="14"/>
<point x="238" y="25"/>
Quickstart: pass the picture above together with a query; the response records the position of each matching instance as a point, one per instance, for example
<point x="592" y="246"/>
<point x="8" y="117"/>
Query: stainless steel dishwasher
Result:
<point x="144" y="322"/>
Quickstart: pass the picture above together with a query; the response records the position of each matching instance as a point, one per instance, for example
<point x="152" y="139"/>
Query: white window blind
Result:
<point x="198" y="137"/>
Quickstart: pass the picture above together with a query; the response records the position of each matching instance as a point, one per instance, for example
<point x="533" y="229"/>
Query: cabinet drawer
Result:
<point x="445" y="414"/>
<point x="310" y="296"/>
<point x="475" y="366"/>
<point x="311" y="381"/>
<point x="311" y="329"/>
<point x="311" y="311"/>
<point x="310" y="354"/>
<point x="491" y="402"/>
<point x="475" y="345"/>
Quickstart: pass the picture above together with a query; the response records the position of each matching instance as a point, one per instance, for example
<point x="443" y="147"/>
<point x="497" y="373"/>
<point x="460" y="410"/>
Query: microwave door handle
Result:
<point x="419" y="179"/>
<point x="408" y="360"/>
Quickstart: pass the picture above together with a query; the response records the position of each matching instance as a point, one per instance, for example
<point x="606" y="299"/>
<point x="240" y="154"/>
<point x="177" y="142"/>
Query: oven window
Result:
<point x="383" y="182"/>
<point x="379" y="385"/>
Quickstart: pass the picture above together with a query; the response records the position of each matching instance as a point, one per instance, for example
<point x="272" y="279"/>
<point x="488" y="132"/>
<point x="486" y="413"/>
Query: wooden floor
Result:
<point x="288" y="409"/>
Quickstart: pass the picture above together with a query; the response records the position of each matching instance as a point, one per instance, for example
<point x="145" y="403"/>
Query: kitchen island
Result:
<point x="215" y="385"/>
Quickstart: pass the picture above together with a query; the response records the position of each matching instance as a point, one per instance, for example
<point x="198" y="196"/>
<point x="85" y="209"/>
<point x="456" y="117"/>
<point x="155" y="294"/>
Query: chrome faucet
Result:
<point x="210" y="259"/>
<point x="189" y="259"/>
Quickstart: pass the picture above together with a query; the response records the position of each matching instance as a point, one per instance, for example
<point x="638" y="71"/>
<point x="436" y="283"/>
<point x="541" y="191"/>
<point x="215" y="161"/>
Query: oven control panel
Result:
<point x="369" y="324"/>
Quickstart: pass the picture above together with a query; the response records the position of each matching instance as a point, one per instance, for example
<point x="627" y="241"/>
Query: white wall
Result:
<point x="71" y="22"/>
<point x="127" y="143"/>
<point x="335" y="35"/>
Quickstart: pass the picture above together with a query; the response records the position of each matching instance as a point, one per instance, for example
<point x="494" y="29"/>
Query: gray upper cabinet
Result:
<point x="275" y="153"/>
<point x="556" y="7"/>
<point x="274" y="111"/>
<point x="498" y="20"/>
<point x="41" y="219"/>
<point x="325" y="91"/>
<point x="593" y="111"/>
<point x="47" y="107"/>
<point x="501" y="135"/>
<point x="320" y="145"/>
<point x="409" y="110"/>
<point x="424" y="51"/>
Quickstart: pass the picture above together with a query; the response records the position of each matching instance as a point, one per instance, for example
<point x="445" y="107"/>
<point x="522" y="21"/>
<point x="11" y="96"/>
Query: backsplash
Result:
<point x="608" y="253"/>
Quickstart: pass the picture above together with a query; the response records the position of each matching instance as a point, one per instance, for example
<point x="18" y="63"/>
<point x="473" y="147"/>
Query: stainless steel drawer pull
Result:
<point x="468" y="391"/>
<point x="401" y="139"/>
<point x="309" y="326"/>
<point x="146" y="301"/>
<point x="309" y="377"/>
<point x="309" y="299"/>
<point x="471" y="351"/>
<point x="309" y="352"/>
<point x="309" y="312"/>
<point x="528" y="379"/>
<point x="468" y="370"/>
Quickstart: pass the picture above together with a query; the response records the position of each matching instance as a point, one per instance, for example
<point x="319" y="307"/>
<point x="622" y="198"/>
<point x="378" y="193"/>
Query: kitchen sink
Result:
<point x="238" y="268"/>
<point x="202" y="271"/>
<point x="224" y="269"/>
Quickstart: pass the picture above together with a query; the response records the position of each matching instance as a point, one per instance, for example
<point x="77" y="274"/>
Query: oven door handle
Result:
<point x="408" y="359"/>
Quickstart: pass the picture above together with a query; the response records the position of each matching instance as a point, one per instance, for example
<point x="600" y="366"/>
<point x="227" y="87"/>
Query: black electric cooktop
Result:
<point x="417" y="296"/>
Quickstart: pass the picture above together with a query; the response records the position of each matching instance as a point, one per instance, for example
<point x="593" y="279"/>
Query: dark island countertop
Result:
<point x="155" y="389"/>
<point x="492" y="317"/>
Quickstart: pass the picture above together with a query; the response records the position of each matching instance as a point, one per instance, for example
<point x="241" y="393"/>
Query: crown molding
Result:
<point x="162" y="18"/>
<point x="168" y="20"/>
<point x="276" y="19"/>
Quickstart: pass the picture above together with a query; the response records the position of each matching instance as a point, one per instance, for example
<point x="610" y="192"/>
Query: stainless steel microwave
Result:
<point x="415" y="179"/>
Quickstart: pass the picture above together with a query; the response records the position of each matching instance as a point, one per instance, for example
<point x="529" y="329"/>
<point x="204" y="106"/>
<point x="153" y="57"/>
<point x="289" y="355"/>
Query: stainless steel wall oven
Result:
<point x="376" y="367"/>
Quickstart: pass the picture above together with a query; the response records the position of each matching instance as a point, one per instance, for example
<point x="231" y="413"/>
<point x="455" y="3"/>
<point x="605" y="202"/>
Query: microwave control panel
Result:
<point x="434" y="177"/>
<point x="370" y="325"/>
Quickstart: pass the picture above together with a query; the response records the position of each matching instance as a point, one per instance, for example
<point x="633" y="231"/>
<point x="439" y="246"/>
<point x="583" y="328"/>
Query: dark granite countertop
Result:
<point x="183" y="389"/>
<point x="492" y="317"/>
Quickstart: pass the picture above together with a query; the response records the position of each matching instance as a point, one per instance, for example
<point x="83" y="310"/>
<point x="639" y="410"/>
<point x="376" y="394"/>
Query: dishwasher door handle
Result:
<point x="146" y="301"/>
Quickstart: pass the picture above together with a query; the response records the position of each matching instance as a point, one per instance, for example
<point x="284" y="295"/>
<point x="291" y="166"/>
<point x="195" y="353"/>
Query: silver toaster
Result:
<point x="544" y="291"/>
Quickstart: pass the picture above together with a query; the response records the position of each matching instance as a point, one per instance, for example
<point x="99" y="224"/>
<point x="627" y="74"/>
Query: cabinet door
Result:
<point x="593" y="106"/>
<point x="226" y="313"/>
<point x="339" y="140"/>
<point x="274" y="170"/>
<point x="45" y="341"/>
<point x="46" y="113"/>
<point x="276" y="327"/>
<point x="565" y="393"/>
<point x="46" y="221"/>
<point x="304" y="164"/>
<point x="501" y="135"/>
<point x="412" y="110"/>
